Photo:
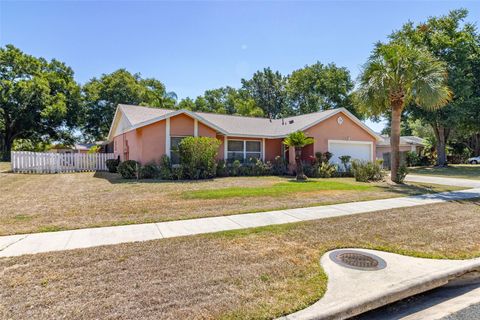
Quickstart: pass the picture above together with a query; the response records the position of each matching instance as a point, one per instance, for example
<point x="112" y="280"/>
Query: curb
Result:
<point x="352" y="306"/>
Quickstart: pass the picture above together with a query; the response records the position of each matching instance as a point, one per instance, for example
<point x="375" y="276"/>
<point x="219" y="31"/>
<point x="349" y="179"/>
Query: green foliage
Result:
<point x="112" y="165"/>
<point x="319" y="87"/>
<point x="29" y="145"/>
<point x="365" y="171"/>
<point x="413" y="159"/>
<point x="39" y="99"/>
<point x="222" y="169"/>
<point x="101" y="97"/>
<point x="149" y="171"/>
<point x="165" y="172"/>
<point x="268" y="90"/>
<point x="128" y="169"/>
<point x="402" y="173"/>
<point x="326" y="170"/>
<point x="279" y="166"/>
<point x="235" y="169"/>
<point x="345" y="162"/>
<point x="94" y="149"/>
<point x="297" y="139"/>
<point x="197" y="157"/>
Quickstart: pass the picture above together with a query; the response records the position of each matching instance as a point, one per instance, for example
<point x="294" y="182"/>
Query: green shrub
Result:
<point x="149" y="171"/>
<point x="402" y="173"/>
<point x="326" y="170"/>
<point x="260" y="168"/>
<point x="197" y="157"/>
<point x="177" y="173"/>
<point x="165" y="170"/>
<point x="327" y="156"/>
<point x="279" y="166"/>
<point x="366" y="171"/>
<point x="235" y="168"/>
<point x="128" y="169"/>
<point x="222" y="169"/>
<point x="412" y="159"/>
<point x="112" y="165"/>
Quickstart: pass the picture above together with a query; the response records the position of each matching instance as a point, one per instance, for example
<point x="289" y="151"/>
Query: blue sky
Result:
<point x="194" y="46"/>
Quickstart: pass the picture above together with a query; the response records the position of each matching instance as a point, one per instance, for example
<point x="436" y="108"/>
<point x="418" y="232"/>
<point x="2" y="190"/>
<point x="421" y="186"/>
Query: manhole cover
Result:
<point x="358" y="260"/>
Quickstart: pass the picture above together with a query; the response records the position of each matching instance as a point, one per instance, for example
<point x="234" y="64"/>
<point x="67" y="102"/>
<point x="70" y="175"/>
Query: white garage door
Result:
<point x="360" y="150"/>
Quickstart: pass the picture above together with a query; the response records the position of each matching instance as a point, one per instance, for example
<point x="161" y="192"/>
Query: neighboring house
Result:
<point x="407" y="143"/>
<point x="145" y="134"/>
<point x="77" y="148"/>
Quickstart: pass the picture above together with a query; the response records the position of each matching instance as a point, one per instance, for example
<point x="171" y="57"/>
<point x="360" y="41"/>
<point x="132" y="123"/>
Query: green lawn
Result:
<point x="277" y="190"/>
<point x="465" y="171"/>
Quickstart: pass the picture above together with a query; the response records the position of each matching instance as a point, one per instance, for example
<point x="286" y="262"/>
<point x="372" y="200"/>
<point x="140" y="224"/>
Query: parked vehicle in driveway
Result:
<point x="474" y="160"/>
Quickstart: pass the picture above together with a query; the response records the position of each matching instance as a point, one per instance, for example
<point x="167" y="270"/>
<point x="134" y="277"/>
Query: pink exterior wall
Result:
<point x="204" y="131"/>
<point x="331" y="130"/>
<point x="153" y="141"/>
<point x="273" y="148"/>
<point x="181" y="125"/>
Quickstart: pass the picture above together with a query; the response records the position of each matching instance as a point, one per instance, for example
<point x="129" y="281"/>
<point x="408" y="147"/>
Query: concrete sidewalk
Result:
<point x="83" y="238"/>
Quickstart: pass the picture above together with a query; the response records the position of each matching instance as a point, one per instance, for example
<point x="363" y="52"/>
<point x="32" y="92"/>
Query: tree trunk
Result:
<point x="395" y="142"/>
<point x="298" y="161"/>
<point x="7" y="147"/>
<point x="476" y="145"/>
<point x="441" y="134"/>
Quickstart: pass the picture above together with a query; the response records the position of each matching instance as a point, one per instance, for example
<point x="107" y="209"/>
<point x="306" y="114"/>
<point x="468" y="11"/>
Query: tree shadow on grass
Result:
<point x="115" y="178"/>
<point x="409" y="189"/>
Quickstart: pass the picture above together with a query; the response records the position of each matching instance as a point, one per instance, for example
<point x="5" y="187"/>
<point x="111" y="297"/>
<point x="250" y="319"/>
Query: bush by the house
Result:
<point x="402" y="173"/>
<point x="234" y="168"/>
<point x="412" y="159"/>
<point x="197" y="157"/>
<point x="112" y="165"/>
<point x="279" y="166"/>
<point x="165" y="170"/>
<point x="128" y="169"/>
<point x="327" y="170"/>
<point x="222" y="168"/>
<point x="149" y="171"/>
<point x="365" y="171"/>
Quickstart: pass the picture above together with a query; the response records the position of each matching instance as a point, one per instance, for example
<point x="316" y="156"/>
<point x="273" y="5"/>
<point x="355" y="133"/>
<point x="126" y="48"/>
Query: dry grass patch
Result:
<point x="247" y="274"/>
<point x="49" y="202"/>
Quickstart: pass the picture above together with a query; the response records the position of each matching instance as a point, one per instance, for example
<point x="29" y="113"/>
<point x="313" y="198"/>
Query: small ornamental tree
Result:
<point x="298" y="140"/>
<point x="197" y="157"/>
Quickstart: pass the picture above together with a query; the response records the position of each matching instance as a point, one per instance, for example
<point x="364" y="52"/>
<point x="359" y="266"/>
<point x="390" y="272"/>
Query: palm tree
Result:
<point x="298" y="140"/>
<point x="394" y="76"/>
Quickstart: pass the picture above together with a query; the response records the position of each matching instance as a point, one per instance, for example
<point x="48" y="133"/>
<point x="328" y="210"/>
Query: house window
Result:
<point x="243" y="150"/>
<point x="174" y="152"/>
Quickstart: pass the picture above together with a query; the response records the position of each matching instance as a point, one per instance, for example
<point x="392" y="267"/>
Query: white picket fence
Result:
<point x="43" y="162"/>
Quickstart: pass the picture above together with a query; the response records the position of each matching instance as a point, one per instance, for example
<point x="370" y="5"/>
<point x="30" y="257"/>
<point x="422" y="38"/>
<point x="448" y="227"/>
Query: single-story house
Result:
<point x="145" y="134"/>
<point x="407" y="144"/>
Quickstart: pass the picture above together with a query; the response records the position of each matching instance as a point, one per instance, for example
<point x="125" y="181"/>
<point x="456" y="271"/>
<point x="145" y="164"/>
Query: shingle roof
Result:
<point x="232" y="124"/>
<point x="404" y="140"/>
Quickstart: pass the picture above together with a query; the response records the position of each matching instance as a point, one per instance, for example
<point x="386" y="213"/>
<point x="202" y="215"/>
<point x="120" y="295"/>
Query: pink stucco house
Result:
<point x="145" y="134"/>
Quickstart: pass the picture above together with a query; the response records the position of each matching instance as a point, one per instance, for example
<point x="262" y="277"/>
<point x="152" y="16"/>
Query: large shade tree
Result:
<point x="39" y="99"/>
<point x="101" y="97"/>
<point x="450" y="39"/>
<point x="396" y="75"/>
<point x="268" y="89"/>
<point x="319" y="87"/>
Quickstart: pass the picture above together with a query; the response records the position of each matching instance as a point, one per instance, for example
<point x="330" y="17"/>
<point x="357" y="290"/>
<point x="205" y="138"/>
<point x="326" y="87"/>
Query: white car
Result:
<point x="474" y="160"/>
